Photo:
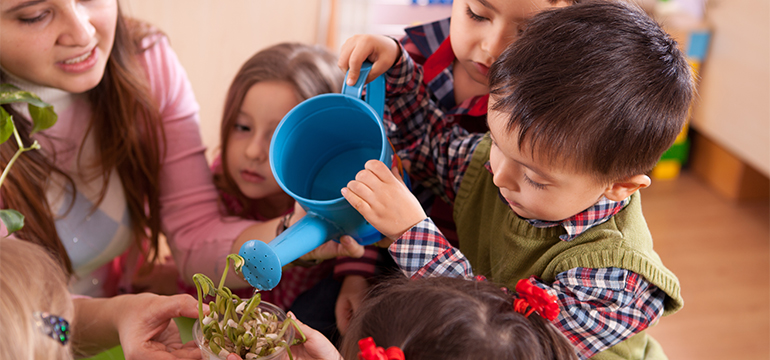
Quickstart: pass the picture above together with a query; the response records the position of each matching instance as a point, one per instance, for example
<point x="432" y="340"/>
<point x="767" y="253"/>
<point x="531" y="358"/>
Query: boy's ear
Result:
<point x="620" y="190"/>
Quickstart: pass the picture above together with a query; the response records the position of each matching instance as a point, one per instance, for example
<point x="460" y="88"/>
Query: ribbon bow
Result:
<point x="370" y="351"/>
<point x="532" y="298"/>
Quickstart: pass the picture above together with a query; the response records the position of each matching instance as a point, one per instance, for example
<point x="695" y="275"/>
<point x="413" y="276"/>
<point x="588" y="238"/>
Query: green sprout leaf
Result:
<point x="12" y="219"/>
<point x="205" y="284"/>
<point x="238" y="261"/>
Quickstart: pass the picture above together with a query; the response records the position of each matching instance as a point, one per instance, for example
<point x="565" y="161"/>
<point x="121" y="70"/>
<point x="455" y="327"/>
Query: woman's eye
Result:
<point x="536" y="185"/>
<point x="473" y="15"/>
<point x="32" y="20"/>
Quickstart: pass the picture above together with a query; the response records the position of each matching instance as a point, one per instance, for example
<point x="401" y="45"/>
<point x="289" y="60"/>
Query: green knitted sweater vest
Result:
<point x="506" y="248"/>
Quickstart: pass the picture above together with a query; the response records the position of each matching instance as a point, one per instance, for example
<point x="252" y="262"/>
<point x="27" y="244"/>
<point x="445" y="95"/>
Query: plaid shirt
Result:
<point x="600" y="307"/>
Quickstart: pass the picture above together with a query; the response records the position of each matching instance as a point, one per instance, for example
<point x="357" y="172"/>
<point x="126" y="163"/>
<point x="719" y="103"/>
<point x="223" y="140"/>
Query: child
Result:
<point x="581" y="108"/>
<point x="267" y="86"/>
<point x="40" y="319"/>
<point x="455" y="55"/>
<point x="444" y="318"/>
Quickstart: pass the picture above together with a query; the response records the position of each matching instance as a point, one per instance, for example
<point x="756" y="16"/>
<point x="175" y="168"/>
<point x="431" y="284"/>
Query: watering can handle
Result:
<point x="375" y="90"/>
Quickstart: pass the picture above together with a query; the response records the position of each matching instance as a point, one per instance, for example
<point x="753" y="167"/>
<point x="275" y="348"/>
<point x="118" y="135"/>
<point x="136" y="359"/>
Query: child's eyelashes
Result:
<point x="473" y="15"/>
<point x="241" y="128"/>
<point x="534" y="184"/>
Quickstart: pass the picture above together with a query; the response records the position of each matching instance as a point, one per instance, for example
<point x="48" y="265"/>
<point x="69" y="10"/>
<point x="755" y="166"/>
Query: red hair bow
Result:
<point x="370" y="351"/>
<point x="532" y="298"/>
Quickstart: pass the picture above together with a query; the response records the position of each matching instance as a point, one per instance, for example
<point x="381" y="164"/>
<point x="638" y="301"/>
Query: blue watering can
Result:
<point x="317" y="148"/>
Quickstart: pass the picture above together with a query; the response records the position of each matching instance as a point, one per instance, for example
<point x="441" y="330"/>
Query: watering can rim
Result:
<point x="364" y="105"/>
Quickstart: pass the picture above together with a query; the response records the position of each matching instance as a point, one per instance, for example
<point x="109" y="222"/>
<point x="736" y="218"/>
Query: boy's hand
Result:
<point x="383" y="200"/>
<point x="380" y="50"/>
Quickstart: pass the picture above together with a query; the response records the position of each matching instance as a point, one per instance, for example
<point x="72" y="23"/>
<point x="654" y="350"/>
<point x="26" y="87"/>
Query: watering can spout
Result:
<point x="264" y="260"/>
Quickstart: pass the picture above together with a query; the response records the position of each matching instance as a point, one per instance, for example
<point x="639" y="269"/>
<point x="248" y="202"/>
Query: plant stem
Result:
<point x="22" y="149"/>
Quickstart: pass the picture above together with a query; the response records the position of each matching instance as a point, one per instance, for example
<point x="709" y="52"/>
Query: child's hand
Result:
<point x="381" y="51"/>
<point x="383" y="200"/>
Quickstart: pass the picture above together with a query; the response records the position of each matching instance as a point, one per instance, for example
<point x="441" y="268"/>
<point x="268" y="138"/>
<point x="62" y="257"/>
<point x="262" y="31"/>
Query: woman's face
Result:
<point x="62" y="44"/>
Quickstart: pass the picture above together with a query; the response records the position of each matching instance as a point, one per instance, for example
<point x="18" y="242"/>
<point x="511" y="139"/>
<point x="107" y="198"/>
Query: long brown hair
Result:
<point x="129" y="135"/>
<point x="452" y="319"/>
<point x="310" y="69"/>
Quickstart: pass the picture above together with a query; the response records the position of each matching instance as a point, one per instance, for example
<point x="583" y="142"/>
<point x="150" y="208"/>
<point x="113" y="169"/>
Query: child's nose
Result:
<point x="506" y="177"/>
<point x="257" y="150"/>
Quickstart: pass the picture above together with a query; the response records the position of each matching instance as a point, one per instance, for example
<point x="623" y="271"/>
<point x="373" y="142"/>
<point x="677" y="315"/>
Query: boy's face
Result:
<point x="481" y="29"/>
<point x="533" y="188"/>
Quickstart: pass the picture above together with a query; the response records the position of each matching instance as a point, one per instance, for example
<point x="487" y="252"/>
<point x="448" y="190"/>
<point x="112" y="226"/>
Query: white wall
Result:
<point x="214" y="38"/>
<point x="734" y="108"/>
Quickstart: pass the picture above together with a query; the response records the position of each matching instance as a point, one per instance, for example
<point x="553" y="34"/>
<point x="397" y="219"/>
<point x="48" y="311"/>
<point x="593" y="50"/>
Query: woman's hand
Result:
<point x="147" y="329"/>
<point x="381" y="51"/>
<point x="379" y="194"/>
<point x="142" y="324"/>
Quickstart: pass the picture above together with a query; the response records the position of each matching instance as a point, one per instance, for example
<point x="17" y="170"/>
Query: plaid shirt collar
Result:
<point x="432" y="40"/>
<point x="579" y="223"/>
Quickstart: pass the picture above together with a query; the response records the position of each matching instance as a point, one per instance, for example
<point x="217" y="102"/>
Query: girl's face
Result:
<point x="481" y="29"/>
<point x="62" y="44"/>
<point x="248" y="144"/>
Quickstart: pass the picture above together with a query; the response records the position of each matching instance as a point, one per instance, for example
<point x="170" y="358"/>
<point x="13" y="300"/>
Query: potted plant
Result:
<point x="250" y="328"/>
<point x="43" y="117"/>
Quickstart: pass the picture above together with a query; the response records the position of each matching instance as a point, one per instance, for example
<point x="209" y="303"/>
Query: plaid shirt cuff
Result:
<point x="423" y="251"/>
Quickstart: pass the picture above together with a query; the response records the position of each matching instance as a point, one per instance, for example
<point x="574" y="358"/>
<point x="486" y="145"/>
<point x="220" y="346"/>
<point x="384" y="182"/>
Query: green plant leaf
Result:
<point x="12" y="219"/>
<point x="41" y="112"/>
<point x="6" y="125"/>
<point x="42" y="117"/>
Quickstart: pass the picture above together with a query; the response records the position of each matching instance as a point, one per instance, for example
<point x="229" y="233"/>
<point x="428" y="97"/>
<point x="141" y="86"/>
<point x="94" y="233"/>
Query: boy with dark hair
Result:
<point x="581" y="108"/>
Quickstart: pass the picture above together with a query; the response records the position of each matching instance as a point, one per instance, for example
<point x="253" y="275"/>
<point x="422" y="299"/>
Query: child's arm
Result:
<point x="603" y="307"/>
<point x="438" y="153"/>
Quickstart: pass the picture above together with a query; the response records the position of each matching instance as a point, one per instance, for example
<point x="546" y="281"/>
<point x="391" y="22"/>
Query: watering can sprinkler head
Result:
<point x="317" y="148"/>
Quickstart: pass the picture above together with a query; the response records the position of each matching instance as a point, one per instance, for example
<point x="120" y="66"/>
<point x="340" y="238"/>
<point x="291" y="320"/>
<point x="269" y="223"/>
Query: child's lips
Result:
<point x="483" y="69"/>
<point x="251" y="176"/>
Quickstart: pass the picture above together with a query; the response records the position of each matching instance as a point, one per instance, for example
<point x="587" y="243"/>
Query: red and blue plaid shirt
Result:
<point x="599" y="307"/>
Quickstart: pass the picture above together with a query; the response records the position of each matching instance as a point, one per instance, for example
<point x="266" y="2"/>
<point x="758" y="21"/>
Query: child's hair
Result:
<point x="310" y="69"/>
<point x="32" y="281"/>
<point x="597" y="86"/>
<point x="452" y="318"/>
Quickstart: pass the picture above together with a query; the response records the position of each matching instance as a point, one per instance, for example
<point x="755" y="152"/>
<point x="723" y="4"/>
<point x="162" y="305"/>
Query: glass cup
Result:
<point x="288" y="336"/>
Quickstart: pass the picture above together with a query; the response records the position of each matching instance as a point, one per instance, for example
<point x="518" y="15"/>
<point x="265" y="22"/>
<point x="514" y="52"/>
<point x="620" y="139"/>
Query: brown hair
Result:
<point x="452" y="318"/>
<point x="598" y="85"/>
<point x="32" y="281"/>
<point x="310" y="69"/>
<point x="129" y="135"/>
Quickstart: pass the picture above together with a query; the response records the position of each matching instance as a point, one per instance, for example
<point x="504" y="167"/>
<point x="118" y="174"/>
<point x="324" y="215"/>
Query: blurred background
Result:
<point x="708" y="205"/>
